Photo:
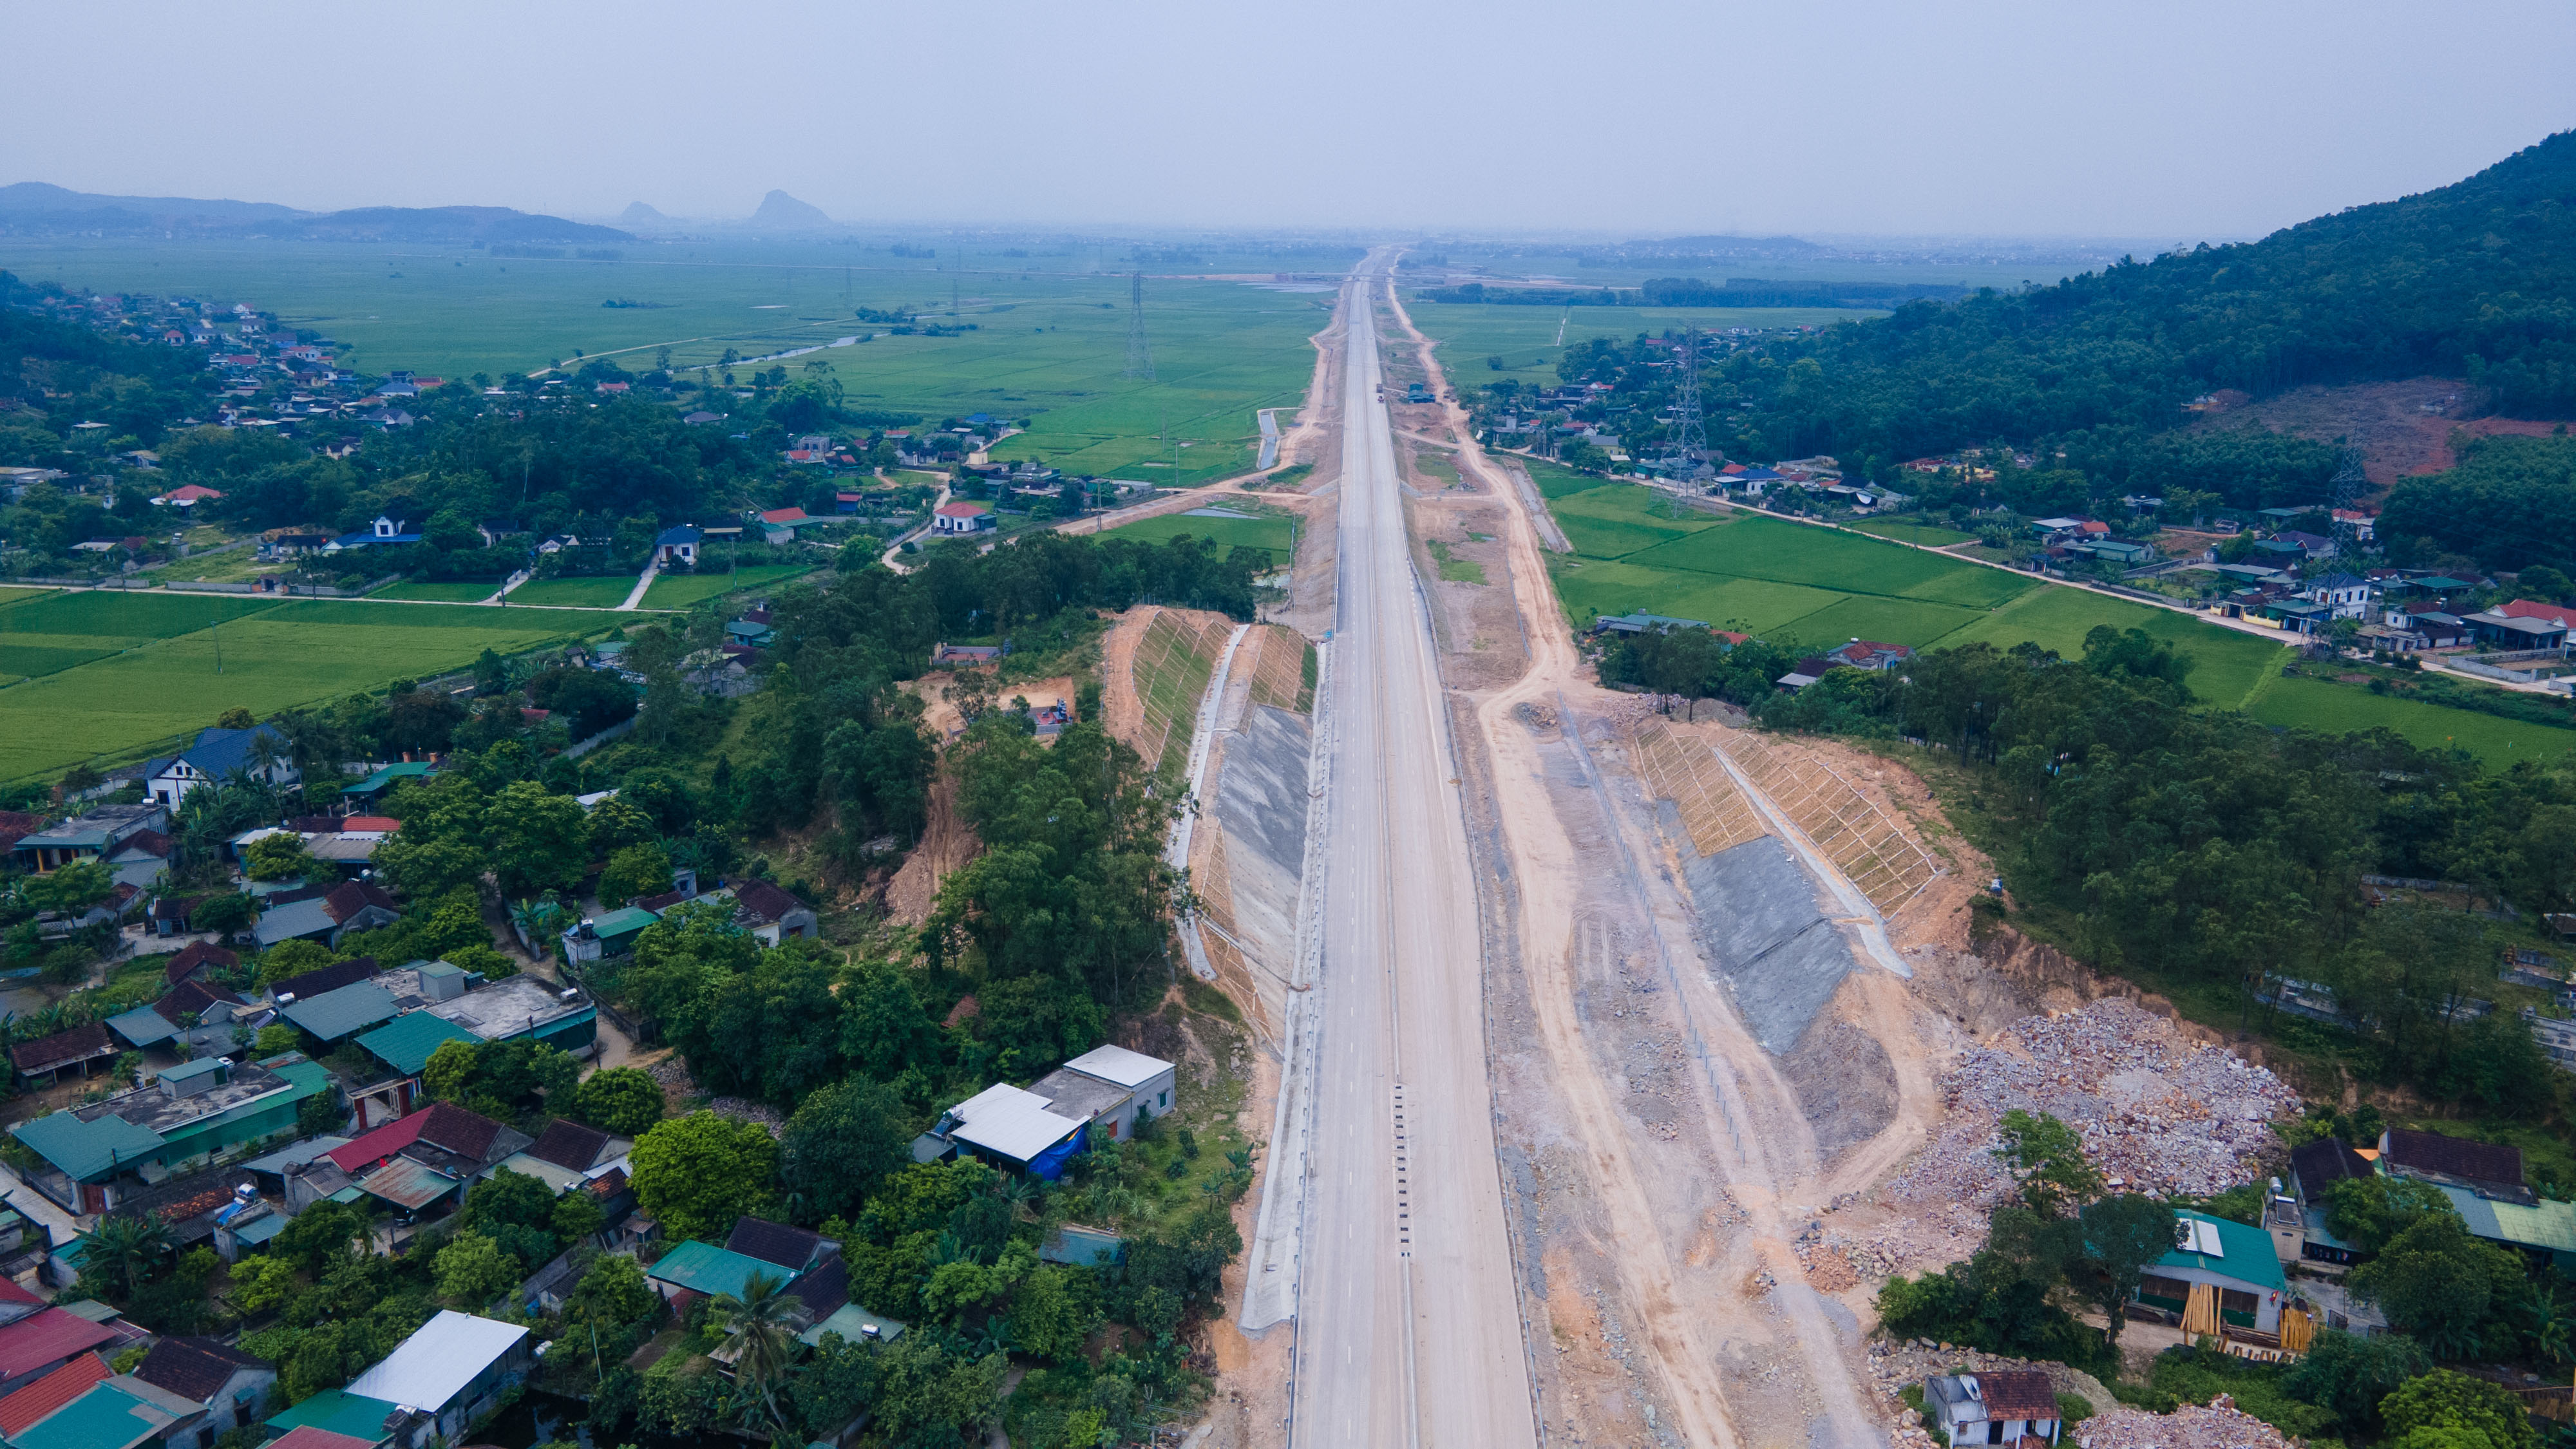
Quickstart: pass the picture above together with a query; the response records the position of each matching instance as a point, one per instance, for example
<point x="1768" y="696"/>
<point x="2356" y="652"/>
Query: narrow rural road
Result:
<point x="1409" y="1333"/>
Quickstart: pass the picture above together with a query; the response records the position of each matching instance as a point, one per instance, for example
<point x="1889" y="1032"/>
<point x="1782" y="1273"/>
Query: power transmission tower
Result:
<point x="1140" y="359"/>
<point x="1687" y="457"/>
<point x="2350" y="482"/>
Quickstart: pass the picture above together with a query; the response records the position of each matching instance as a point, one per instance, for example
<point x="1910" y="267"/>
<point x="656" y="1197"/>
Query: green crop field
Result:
<point x="605" y="591"/>
<point x="1526" y="339"/>
<point x="679" y="591"/>
<point x="161" y="684"/>
<point x="1275" y="532"/>
<point x="2330" y="708"/>
<point x="450" y="592"/>
<point x="1818" y="587"/>
<point x="1049" y="345"/>
<point x="1905" y="530"/>
<point x="2226" y="664"/>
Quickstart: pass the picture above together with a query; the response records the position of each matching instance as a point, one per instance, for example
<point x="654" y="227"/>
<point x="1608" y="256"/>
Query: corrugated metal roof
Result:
<point x="435" y="1364"/>
<point x="706" y="1268"/>
<point x="107" y="1417"/>
<point x="142" y="1026"/>
<point x="2247" y="1254"/>
<point x="336" y="1014"/>
<point x="405" y="1043"/>
<point x="1003" y="1119"/>
<point x="2547" y="1224"/>
<point x="560" y="1179"/>
<point x="84" y="1149"/>
<point x="852" y="1322"/>
<point x="407" y="1184"/>
<point x="339" y="1412"/>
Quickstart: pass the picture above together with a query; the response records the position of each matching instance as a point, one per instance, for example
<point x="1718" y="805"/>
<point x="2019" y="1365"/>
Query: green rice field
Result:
<point x="1049" y="338"/>
<point x="605" y="591"/>
<point x="1275" y="532"/>
<point x="118" y="677"/>
<point x="1529" y="340"/>
<point x="2300" y="702"/>
<point x="431" y="591"/>
<point x="1819" y="587"/>
<point x="1925" y="535"/>
<point x="679" y="591"/>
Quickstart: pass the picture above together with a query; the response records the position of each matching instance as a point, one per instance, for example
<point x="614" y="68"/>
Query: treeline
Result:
<point x="1692" y="292"/>
<point x="2177" y="844"/>
<point x="56" y="375"/>
<point x="2509" y="503"/>
<point x="2461" y="280"/>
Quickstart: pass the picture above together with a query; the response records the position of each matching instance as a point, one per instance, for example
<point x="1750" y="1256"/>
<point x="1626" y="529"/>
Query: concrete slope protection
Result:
<point x="1408" y="1328"/>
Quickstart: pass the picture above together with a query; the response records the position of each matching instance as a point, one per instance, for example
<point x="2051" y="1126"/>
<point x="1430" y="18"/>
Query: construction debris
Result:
<point x="2219" y="1426"/>
<point x="2158" y="1114"/>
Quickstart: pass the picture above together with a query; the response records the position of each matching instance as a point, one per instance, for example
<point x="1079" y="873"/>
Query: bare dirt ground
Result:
<point x="946" y="845"/>
<point x="2402" y="427"/>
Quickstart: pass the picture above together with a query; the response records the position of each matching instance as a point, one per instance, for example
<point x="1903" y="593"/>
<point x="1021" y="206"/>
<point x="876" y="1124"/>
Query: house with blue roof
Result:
<point x="678" y="545"/>
<point x="387" y="529"/>
<point x="259" y="752"/>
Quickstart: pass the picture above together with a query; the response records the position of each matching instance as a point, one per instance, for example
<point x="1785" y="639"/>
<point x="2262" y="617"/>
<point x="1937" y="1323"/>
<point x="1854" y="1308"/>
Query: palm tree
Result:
<point x="761" y="1331"/>
<point x="126" y="1247"/>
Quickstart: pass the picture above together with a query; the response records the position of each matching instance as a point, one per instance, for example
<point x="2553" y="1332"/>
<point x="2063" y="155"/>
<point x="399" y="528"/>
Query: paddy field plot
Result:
<point x="1471" y="336"/>
<point x="679" y="591"/>
<point x="1818" y="587"/>
<point x="601" y="591"/>
<point x="1244" y="529"/>
<point x="1048" y="342"/>
<point x="133" y="674"/>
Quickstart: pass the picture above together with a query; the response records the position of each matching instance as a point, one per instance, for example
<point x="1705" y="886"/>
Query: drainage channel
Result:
<point x="1403" y="1183"/>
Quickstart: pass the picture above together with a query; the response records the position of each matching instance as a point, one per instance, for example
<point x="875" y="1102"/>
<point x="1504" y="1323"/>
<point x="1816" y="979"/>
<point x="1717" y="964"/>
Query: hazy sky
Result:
<point x="2169" y="119"/>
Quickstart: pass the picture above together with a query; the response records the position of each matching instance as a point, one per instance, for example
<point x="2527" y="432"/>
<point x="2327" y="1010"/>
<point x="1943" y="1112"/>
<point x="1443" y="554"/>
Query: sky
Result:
<point x="2180" y="119"/>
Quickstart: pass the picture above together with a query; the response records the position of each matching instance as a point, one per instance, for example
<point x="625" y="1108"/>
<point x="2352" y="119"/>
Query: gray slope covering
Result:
<point x="782" y="212"/>
<point x="1763" y="927"/>
<point x="36" y="208"/>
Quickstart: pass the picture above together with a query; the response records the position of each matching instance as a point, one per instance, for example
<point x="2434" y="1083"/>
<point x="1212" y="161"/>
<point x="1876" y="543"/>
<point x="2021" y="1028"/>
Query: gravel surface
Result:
<point x="2159" y="1114"/>
<point x="2219" y="1426"/>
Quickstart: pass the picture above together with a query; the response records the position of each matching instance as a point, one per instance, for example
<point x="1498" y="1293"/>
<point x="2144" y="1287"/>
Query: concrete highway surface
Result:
<point x="1408" y="1330"/>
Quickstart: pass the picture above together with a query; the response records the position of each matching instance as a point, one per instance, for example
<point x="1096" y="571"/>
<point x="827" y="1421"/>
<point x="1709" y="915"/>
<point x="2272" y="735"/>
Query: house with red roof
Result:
<point x="962" y="518"/>
<point x="779" y="525"/>
<point x="27" y="1407"/>
<point x="188" y="496"/>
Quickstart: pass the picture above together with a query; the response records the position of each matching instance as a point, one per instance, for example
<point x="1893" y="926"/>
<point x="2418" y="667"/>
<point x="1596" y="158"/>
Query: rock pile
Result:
<point x="2219" y="1426"/>
<point x="2158" y="1113"/>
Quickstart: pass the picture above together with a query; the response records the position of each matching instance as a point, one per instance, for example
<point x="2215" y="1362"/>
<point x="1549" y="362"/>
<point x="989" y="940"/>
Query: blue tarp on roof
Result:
<point x="1050" y="1163"/>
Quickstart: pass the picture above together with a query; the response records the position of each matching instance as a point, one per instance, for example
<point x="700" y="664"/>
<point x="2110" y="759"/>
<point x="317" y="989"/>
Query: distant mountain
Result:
<point x="782" y="212"/>
<point x="643" y="218"/>
<point x="36" y="201"/>
<point x="35" y="208"/>
<point x="452" y="224"/>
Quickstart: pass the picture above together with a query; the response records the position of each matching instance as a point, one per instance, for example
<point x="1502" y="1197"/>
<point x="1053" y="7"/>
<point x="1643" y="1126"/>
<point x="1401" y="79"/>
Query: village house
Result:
<point x="95" y="836"/>
<point x="92" y="1157"/>
<point x="2221" y="1264"/>
<point x="228" y="1387"/>
<point x="259" y="752"/>
<point x="678" y="546"/>
<point x="2002" y="1407"/>
<point x="961" y="518"/>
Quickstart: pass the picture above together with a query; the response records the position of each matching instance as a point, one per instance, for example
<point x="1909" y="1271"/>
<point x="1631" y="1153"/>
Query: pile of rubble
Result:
<point x="2159" y="1114"/>
<point x="2220" y="1426"/>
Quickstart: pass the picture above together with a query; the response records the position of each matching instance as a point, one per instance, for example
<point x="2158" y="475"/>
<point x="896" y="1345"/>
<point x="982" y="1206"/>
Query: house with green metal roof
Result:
<point x="93" y="1155"/>
<point x="2543" y="1227"/>
<point x="405" y="1043"/>
<point x="2238" y="1260"/>
<point x="611" y="933"/>
<point x="704" y="1268"/>
<point x="337" y="1411"/>
<point x="374" y="786"/>
<point x="335" y="1016"/>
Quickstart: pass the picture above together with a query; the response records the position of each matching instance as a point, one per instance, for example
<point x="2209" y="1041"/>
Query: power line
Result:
<point x="1140" y="358"/>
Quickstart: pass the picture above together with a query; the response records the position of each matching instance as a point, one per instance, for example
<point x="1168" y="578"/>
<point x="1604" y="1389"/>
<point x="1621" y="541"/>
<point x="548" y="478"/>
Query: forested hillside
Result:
<point x="2469" y="280"/>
